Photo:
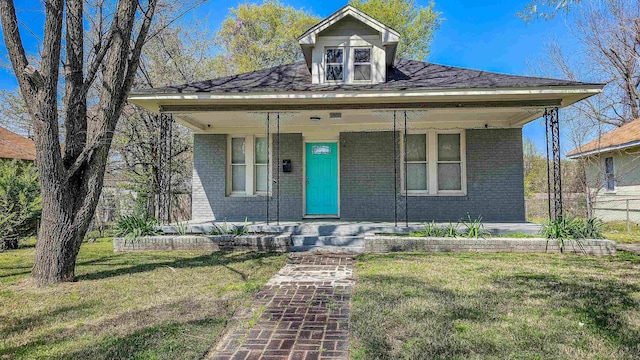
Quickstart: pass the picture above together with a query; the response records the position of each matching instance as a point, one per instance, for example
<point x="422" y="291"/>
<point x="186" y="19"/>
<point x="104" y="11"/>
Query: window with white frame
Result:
<point x="449" y="163"/>
<point x="248" y="171"/>
<point x="417" y="163"/>
<point x="435" y="164"/>
<point x="362" y="64"/>
<point x="334" y="61"/>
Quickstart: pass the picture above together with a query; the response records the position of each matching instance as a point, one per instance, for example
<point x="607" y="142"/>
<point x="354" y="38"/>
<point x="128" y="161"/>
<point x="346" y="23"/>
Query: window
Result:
<point x="449" y="162"/>
<point x="362" y="64"/>
<point x="417" y="168"/>
<point x="435" y="164"/>
<point x="247" y="173"/>
<point x="335" y="64"/>
<point x="610" y="184"/>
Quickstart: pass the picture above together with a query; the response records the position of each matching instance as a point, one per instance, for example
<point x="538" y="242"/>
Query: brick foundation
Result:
<point x="275" y="243"/>
<point x="386" y="244"/>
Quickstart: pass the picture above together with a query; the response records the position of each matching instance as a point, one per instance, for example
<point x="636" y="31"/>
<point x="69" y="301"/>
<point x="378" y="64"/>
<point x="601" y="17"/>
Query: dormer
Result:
<point x="349" y="47"/>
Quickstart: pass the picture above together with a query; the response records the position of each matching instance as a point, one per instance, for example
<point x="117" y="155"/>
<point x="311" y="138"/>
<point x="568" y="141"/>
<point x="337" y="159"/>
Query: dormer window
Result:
<point x="349" y="47"/>
<point x="335" y="64"/>
<point x="362" y="64"/>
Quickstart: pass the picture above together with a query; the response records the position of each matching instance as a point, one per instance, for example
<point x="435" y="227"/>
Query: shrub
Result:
<point x="224" y="229"/>
<point x="134" y="226"/>
<point x="20" y="202"/>
<point x="573" y="228"/>
<point x="475" y="228"/>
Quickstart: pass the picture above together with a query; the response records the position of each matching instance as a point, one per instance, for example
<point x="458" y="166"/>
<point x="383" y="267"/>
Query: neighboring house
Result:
<point x="339" y="153"/>
<point x="612" y="166"/>
<point x="14" y="146"/>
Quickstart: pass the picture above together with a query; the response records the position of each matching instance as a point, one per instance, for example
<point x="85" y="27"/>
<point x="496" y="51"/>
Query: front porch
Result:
<point x="349" y="228"/>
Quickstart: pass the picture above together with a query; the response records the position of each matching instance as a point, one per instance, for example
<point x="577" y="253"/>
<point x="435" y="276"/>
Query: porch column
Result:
<point x="272" y="121"/>
<point x="165" y="145"/>
<point x="401" y="122"/>
<point x="554" y="173"/>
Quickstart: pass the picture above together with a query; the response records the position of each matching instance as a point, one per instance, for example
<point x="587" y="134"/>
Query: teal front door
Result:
<point x="321" y="176"/>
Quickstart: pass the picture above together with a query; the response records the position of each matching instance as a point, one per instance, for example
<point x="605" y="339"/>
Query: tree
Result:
<point x="20" y="202"/>
<point x="535" y="169"/>
<point x="176" y="54"/>
<point x="415" y="24"/>
<point x="255" y="37"/>
<point x="71" y="178"/>
<point x="607" y="41"/>
<point x="13" y="113"/>
<point x="545" y="9"/>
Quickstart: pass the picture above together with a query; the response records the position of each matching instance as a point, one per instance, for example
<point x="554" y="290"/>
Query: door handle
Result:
<point x="307" y="180"/>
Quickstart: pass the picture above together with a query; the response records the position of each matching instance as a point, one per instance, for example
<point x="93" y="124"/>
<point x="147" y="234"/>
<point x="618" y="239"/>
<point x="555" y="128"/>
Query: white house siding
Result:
<point x="378" y="67"/>
<point x="612" y="206"/>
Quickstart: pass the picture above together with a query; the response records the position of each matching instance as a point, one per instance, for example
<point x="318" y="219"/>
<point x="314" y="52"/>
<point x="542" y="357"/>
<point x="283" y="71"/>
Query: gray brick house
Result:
<point x="354" y="133"/>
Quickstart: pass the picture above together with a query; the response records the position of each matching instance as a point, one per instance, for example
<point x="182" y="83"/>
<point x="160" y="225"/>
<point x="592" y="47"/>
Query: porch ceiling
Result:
<point x="463" y="108"/>
<point x="355" y="120"/>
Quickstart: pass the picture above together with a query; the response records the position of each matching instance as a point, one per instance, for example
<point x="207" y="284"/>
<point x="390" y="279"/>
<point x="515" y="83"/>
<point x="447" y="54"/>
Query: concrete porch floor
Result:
<point x="353" y="228"/>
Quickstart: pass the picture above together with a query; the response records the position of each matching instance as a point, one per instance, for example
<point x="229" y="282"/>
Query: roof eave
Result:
<point x="617" y="147"/>
<point x="309" y="35"/>
<point x="174" y="95"/>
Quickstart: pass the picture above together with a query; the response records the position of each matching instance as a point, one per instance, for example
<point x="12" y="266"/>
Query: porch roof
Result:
<point x="403" y="76"/>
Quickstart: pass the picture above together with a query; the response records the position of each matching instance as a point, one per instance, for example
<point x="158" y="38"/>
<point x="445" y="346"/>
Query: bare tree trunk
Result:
<point x="71" y="184"/>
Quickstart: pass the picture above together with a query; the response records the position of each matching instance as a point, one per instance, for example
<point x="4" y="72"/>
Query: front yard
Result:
<point x="496" y="306"/>
<point x="151" y="305"/>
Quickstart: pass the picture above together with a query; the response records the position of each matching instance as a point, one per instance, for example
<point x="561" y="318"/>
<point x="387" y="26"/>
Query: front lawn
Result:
<point x="617" y="231"/>
<point x="496" y="306"/>
<point x="152" y="305"/>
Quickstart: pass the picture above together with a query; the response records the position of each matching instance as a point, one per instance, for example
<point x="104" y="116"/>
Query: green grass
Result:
<point x="151" y="305"/>
<point x="496" y="306"/>
<point x="617" y="231"/>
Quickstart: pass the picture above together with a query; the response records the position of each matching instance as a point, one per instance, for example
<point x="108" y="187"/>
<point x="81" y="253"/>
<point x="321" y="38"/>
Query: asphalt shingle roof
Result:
<point x="14" y="146"/>
<point x="626" y="134"/>
<point x="404" y="75"/>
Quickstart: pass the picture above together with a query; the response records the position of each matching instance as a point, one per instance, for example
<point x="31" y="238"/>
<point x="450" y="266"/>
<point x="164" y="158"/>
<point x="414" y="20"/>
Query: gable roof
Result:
<point x="388" y="36"/>
<point x="623" y="137"/>
<point x="403" y="75"/>
<point x="14" y="146"/>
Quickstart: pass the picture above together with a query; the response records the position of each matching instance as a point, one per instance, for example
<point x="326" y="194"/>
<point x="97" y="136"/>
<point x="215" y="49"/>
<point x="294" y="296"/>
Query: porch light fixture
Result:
<point x="315" y="118"/>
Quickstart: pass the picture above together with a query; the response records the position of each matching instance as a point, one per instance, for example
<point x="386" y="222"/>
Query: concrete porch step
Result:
<point x="313" y="240"/>
<point x="327" y="244"/>
<point x="329" y="249"/>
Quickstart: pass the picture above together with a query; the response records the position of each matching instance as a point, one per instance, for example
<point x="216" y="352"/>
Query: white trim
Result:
<point x="388" y="34"/>
<point x="326" y="64"/>
<point x="249" y="164"/>
<point x="352" y="58"/>
<point x="432" y="164"/>
<point x="304" y="177"/>
<point x="605" y="149"/>
<point x="326" y="95"/>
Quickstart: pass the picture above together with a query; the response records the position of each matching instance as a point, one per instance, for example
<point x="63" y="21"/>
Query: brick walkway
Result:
<point x="301" y="313"/>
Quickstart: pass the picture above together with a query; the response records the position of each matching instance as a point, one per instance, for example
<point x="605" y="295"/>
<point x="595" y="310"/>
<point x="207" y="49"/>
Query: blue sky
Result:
<point x="485" y="35"/>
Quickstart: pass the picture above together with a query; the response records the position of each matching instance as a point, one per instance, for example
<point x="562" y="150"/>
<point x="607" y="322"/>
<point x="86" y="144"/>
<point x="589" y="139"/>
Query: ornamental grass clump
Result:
<point x="135" y="226"/>
<point x="224" y="229"/>
<point x="473" y="228"/>
<point x="572" y="228"/>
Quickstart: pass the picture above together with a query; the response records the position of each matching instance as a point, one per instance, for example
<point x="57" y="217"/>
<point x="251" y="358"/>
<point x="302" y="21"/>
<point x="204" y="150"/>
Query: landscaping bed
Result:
<point x="396" y="243"/>
<point x="227" y="242"/>
<point x="495" y="306"/>
<point x="146" y="305"/>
